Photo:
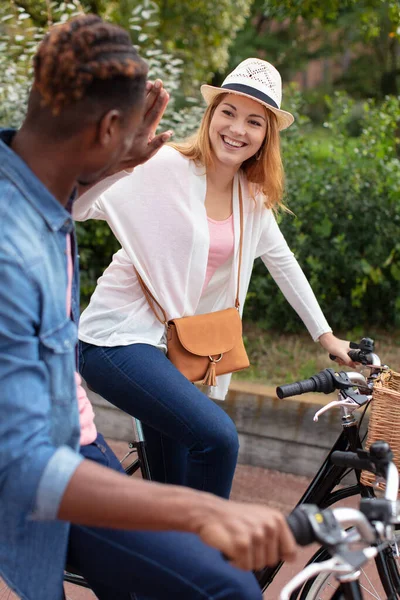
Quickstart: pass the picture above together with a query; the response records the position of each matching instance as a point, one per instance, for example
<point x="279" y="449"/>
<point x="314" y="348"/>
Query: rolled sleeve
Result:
<point x="53" y="482"/>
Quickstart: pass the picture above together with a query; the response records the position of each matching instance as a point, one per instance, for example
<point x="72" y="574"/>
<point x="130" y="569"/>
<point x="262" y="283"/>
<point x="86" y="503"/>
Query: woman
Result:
<point x="177" y="219"/>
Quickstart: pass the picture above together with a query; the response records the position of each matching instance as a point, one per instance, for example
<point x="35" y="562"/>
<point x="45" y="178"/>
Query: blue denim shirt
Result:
<point x="39" y="426"/>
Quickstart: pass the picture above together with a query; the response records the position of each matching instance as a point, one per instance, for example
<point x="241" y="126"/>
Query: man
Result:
<point x="89" y="116"/>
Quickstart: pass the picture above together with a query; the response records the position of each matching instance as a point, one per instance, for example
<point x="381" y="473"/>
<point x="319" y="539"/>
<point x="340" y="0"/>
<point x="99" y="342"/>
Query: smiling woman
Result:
<point x="186" y="220"/>
<point x="237" y="130"/>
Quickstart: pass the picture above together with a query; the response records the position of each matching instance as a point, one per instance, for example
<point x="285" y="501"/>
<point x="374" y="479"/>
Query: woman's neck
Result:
<point x="220" y="177"/>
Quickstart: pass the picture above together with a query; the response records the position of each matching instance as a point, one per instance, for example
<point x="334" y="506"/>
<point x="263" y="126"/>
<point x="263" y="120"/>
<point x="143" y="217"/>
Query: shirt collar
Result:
<point x="12" y="167"/>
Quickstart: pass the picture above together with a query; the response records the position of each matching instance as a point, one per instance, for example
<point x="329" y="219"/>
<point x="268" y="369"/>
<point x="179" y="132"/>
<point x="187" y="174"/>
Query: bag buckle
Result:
<point x="215" y="360"/>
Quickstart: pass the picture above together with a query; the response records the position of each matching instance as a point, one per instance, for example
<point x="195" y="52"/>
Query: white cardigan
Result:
<point x="158" y="214"/>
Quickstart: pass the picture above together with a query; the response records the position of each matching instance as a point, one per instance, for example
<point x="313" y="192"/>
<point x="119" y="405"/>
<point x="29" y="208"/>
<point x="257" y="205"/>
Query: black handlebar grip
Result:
<point x="300" y="526"/>
<point x="350" y="459"/>
<point x="356" y="355"/>
<point x="295" y="389"/>
<point x="324" y="381"/>
<point x="355" y="350"/>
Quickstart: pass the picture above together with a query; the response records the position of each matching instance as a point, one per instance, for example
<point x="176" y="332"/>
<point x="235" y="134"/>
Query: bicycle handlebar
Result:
<point x="373" y="523"/>
<point x="326" y="381"/>
<point x="300" y="526"/>
<point x="308" y="524"/>
<point x="362" y="352"/>
<point x="350" y="459"/>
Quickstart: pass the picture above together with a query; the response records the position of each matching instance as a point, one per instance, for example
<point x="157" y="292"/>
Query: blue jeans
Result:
<point x="190" y="440"/>
<point x="128" y="565"/>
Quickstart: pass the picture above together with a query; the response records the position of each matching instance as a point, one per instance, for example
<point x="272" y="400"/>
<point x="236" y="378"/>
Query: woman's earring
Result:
<point x="258" y="154"/>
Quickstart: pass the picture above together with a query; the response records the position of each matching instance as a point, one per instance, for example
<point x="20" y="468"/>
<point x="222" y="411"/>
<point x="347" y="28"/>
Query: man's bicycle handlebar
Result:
<point x="372" y="524"/>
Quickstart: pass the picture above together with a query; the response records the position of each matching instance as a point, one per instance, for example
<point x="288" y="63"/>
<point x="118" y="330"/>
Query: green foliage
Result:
<point x="358" y="40"/>
<point x="330" y="11"/>
<point x="201" y="33"/>
<point x="19" y="37"/>
<point x="345" y="232"/>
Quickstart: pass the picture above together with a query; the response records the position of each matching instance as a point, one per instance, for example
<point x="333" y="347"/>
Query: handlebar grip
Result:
<point x="350" y="459"/>
<point x="324" y="382"/>
<point x="295" y="389"/>
<point x="356" y="355"/>
<point x="359" y="351"/>
<point x="300" y="526"/>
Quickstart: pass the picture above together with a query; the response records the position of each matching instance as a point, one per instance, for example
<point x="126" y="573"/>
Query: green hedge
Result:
<point x="345" y="231"/>
<point x="345" y="195"/>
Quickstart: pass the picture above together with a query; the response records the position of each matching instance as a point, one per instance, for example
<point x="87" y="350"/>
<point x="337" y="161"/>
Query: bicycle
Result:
<point x="354" y="392"/>
<point x="321" y="490"/>
<point x="372" y="526"/>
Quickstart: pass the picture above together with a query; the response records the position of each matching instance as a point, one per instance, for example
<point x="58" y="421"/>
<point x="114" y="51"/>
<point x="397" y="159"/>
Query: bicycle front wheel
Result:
<point x="372" y="583"/>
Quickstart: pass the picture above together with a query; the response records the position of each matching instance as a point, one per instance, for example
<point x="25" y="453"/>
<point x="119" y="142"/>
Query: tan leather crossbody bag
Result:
<point x="204" y="346"/>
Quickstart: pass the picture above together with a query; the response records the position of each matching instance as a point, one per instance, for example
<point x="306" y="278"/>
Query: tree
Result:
<point x="199" y="32"/>
<point x="363" y="35"/>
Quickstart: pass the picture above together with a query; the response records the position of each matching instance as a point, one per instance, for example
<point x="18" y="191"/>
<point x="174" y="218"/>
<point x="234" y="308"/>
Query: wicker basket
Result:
<point x="384" y="422"/>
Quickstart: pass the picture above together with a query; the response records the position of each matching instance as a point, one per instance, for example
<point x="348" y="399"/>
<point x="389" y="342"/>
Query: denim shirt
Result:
<point x="39" y="426"/>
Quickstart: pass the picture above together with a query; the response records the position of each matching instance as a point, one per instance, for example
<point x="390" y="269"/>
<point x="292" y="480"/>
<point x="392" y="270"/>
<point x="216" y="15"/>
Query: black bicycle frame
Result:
<point x="320" y="492"/>
<point x="140" y="462"/>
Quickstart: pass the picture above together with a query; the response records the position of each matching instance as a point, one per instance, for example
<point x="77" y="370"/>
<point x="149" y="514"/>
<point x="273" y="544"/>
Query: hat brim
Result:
<point x="285" y="119"/>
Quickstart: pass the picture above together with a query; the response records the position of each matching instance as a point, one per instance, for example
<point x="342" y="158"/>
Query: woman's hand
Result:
<point x="337" y="347"/>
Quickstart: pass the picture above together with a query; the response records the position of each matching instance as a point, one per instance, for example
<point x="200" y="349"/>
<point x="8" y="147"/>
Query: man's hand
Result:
<point x="249" y="535"/>
<point x="146" y="143"/>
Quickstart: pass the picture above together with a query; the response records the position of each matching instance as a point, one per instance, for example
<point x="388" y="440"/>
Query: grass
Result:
<point x="277" y="358"/>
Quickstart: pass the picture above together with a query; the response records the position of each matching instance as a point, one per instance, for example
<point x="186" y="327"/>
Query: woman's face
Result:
<point x="237" y="129"/>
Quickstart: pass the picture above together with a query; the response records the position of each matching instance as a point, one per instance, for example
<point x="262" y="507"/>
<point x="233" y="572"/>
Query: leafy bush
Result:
<point x="345" y="232"/>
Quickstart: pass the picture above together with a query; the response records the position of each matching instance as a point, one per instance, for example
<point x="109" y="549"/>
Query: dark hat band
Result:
<point x="250" y="91"/>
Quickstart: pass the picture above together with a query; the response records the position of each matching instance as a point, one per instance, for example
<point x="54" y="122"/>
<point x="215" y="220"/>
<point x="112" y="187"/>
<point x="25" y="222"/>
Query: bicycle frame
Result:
<point x="138" y="446"/>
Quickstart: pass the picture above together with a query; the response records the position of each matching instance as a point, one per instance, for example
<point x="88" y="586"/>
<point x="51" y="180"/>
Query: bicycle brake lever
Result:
<point x="332" y="404"/>
<point x="359" y="399"/>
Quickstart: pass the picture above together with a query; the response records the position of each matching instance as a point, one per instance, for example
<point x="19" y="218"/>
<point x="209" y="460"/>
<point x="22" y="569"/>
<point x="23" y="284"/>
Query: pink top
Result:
<point x="86" y="414"/>
<point x="221" y="245"/>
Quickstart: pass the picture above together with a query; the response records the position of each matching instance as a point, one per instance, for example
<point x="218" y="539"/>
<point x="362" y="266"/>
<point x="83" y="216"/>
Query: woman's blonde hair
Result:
<point x="264" y="171"/>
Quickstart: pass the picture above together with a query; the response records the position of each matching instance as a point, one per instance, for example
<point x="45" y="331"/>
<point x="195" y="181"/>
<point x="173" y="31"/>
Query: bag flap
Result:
<point x="211" y="334"/>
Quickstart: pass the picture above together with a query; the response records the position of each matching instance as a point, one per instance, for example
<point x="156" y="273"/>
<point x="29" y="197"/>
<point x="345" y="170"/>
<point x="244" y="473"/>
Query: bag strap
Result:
<point x="153" y="302"/>
<point x="237" y="303"/>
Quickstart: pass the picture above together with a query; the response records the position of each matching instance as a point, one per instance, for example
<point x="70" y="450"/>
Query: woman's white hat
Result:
<point x="256" y="79"/>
